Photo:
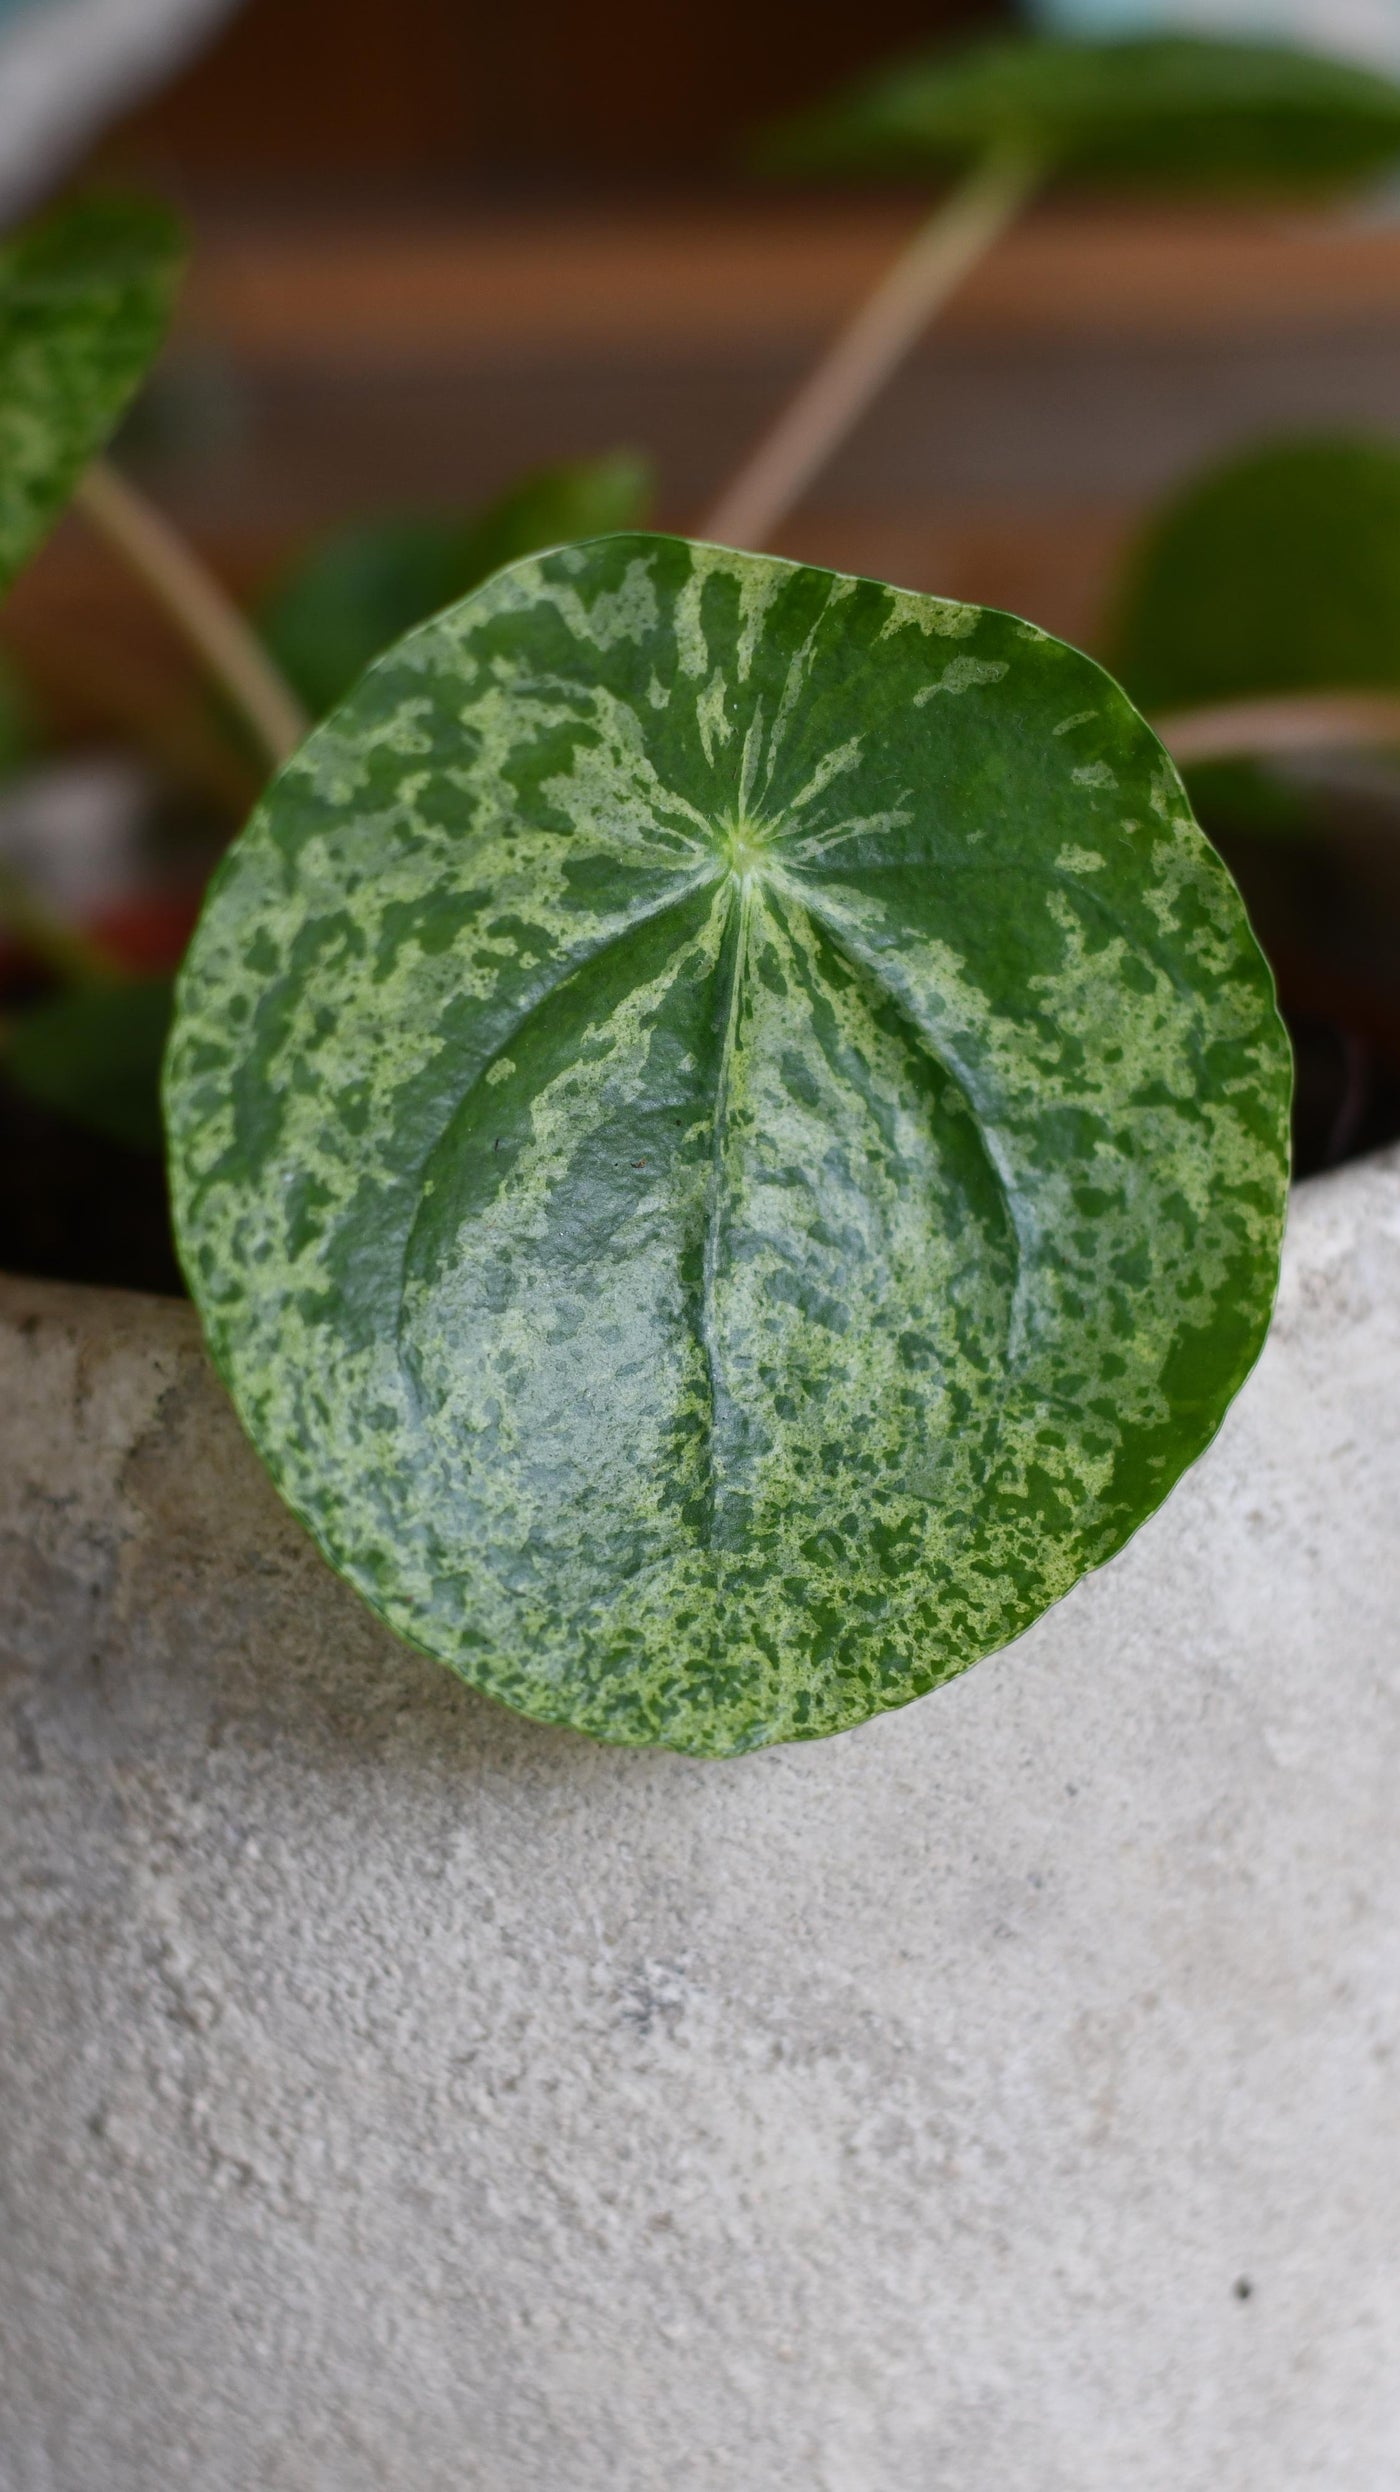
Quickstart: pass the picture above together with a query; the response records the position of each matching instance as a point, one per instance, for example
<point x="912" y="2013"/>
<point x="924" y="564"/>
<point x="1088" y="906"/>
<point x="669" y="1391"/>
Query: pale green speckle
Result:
<point x="960" y="675"/>
<point x="939" y="615"/>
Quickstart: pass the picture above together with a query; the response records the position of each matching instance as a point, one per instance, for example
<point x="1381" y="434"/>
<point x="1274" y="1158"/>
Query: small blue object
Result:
<point x="1358" y="30"/>
<point x="1100" y="17"/>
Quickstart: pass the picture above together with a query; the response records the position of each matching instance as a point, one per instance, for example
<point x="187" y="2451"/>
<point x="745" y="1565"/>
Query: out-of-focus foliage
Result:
<point x="364" y="586"/>
<point x="85" y="296"/>
<point x="1276" y="572"/>
<point x="93" y="1052"/>
<point x="1171" y="112"/>
<point x="18" y="729"/>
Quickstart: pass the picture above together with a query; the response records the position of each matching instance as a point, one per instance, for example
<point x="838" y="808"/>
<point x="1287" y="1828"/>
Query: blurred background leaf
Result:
<point x="1277" y="570"/>
<point x="85" y="298"/>
<point x="93" y="1053"/>
<point x="361" y="587"/>
<point x="1161" y="112"/>
<point x="19" y="728"/>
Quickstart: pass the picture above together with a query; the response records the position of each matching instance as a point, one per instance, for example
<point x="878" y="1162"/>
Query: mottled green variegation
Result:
<point x="85" y="297"/>
<point x="729" y="1133"/>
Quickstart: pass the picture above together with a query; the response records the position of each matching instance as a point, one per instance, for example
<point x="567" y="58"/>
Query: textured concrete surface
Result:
<point x="1001" y="2098"/>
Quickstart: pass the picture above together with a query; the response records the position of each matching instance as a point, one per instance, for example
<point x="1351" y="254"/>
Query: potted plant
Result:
<point x="728" y="1133"/>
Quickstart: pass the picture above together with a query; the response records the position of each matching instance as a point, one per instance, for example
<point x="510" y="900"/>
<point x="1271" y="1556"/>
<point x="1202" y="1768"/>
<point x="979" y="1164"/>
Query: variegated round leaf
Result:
<point x="729" y="1132"/>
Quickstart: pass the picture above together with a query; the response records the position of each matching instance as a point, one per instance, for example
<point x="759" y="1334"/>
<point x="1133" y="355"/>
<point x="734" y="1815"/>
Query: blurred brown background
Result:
<point x="443" y="92"/>
<point x="437" y="244"/>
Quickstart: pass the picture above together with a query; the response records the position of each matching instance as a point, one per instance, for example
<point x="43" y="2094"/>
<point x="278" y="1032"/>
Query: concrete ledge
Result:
<point x="1002" y="2098"/>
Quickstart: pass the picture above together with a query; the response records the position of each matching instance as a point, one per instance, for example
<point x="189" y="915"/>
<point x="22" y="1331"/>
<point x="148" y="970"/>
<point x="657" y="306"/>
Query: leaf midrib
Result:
<point x="714" y="1207"/>
<point x="414" y="1177"/>
<point x="845" y="940"/>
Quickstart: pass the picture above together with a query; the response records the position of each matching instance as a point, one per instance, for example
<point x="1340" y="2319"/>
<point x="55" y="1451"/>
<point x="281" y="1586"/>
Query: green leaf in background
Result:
<point x="369" y="583"/>
<point x="1277" y="571"/>
<point x="556" y="506"/>
<point x="20" y="734"/>
<point x="730" y="1136"/>
<point x="85" y="297"/>
<point x="94" y="1053"/>
<point x="1173" y="111"/>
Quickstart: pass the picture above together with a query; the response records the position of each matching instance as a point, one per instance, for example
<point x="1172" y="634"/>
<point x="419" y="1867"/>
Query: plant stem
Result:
<point x="198" y="605"/>
<point x="1300" y="722"/>
<point x="72" y="955"/>
<point x="869" y="349"/>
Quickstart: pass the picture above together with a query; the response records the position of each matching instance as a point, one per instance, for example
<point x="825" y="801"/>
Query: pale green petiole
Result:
<point x="871" y="347"/>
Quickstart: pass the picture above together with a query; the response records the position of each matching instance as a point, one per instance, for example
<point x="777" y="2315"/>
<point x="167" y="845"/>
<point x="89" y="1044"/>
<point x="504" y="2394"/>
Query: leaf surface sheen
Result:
<point x="729" y="1133"/>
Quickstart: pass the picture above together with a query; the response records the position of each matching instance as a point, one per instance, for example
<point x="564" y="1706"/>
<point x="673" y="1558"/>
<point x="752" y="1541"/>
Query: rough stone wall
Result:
<point x="1001" y="2098"/>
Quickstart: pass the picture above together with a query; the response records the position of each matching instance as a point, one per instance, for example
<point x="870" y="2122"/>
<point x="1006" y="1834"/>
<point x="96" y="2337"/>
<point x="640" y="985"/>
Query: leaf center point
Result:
<point x="744" y="846"/>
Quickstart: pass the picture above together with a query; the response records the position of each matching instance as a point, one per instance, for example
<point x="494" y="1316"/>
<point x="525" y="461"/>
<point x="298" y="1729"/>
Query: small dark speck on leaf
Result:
<point x="1243" y="2288"/>
<point x="498" y="1141"/>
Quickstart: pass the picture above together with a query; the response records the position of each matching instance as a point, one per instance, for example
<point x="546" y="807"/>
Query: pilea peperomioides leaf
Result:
<point x="730" y="1136"/>
<point x="85" y="297"/>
